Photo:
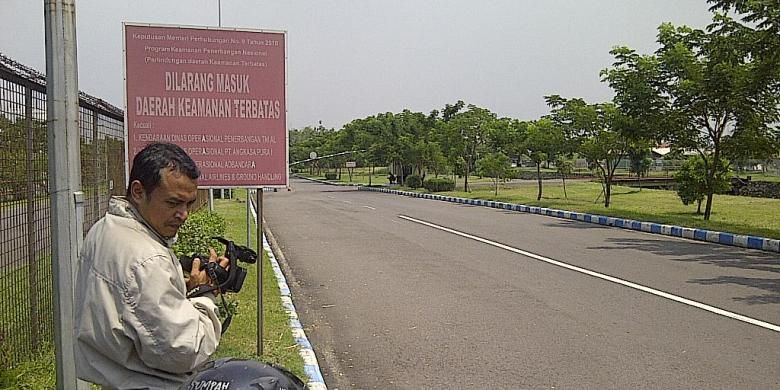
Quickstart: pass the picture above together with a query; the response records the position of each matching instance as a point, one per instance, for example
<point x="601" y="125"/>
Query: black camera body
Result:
<point x="226" y="280"/>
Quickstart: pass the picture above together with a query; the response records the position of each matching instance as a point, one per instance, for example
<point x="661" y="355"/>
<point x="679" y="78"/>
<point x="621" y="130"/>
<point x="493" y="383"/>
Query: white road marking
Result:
<point x="612" y="279"/>
<point x="347" y="201"/>
<point x="369" y="207"/>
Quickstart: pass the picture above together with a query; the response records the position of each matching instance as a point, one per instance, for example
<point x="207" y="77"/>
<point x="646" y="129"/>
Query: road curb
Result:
<point x="310" y="364"/>
<point x="731" y="239"/>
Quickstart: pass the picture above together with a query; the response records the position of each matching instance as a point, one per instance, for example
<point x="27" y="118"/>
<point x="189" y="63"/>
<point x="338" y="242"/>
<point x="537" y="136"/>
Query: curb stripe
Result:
<point x="310" y="365"/>
<point x="724" y="238"/>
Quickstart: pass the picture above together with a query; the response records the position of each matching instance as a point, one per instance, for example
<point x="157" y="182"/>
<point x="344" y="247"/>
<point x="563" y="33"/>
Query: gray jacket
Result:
<point x="135" y="327"/>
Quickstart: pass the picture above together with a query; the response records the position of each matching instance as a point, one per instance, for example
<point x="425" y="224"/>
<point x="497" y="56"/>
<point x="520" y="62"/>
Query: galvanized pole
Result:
<point x="260" y="263"/>
<point x="64" y="173"/>
<point x="248" y="218"/>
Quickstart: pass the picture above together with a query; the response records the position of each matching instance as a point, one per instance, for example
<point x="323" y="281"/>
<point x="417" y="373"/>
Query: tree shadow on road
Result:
<point x="770" y="285"/>
<point x="718" y="255"/>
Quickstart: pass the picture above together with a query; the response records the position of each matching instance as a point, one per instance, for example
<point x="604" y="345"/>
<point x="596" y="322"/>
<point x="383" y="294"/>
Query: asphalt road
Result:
<point x="390" y="300"/>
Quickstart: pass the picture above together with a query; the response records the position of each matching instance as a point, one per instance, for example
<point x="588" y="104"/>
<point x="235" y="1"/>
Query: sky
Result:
<point x="352" y="59"/>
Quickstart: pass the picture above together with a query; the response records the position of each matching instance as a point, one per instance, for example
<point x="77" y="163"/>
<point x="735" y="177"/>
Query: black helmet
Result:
<point x="242" y="374"/>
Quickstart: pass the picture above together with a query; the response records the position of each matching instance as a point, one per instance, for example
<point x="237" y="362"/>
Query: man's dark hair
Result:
<point x="148" y="163"/>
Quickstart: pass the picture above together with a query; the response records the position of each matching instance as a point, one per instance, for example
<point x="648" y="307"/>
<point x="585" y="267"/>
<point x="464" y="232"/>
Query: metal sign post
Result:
<point x="260" y="272"/>
<point x="249" y="218"/>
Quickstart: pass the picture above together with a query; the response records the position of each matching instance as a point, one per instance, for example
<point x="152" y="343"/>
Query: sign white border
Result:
<point x="286" y="109"/>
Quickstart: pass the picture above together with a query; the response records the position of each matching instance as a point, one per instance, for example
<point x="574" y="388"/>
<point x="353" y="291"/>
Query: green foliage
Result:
<point x="713" y="91"/>
<point x="494" y="165"/>
<point x="14" y="156"/>
<point x="737" y="214"/>
<point x="36" y="373"/>
<point x="466" y="132"/>
<point x="439" y="184"/>
<point x="692" y="181"/>
<point x="602" y="132"/>
<point x="413" y="181"/>
<point x="330" y="176"/>
<point x="195" y="236"/>
<point x="639" y="160"/>
<point x="240" y="340"/>
<point x="564" y="166"/>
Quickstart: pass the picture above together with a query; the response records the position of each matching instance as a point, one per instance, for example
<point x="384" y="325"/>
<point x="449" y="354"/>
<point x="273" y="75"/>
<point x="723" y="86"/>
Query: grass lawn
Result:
<point x="239" y="341"/>
<point x="735" y="214"/>
<point x="761" y="176"/>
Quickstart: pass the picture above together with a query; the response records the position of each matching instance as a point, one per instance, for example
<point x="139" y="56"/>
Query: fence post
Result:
<point x="62" y="116"/>
<point x="95" y="182"/>
<point x="32" y="263"/>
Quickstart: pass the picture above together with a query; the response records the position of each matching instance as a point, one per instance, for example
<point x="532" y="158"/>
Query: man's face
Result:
<point x="167" y="206"/>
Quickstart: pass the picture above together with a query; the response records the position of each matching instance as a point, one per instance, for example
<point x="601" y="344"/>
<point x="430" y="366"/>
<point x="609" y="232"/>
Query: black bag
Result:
<point x="242" y="374"/>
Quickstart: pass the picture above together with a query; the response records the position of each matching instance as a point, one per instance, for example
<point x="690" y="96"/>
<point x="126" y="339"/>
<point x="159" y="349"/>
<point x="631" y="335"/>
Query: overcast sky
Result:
<point x="352" y="59"/>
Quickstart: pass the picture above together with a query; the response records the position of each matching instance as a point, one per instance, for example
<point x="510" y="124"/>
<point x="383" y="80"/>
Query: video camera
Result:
<point x="230" y="279"/>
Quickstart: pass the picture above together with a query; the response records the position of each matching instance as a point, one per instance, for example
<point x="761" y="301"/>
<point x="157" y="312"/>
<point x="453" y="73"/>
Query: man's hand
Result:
<point x="199" y="277"/>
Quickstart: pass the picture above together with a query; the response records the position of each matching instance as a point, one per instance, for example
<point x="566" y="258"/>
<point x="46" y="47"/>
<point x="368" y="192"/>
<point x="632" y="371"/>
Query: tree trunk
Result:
<point x="698" y="207"/>
<point x="497" y="179"/>
<point x="639" y="180"/>
<point x="539" y="180"/>
<point x="466" y="176"/>
<point x="711" y="183"/>
<point x="370" y="173"/>
<point x="563" y="177"/>
<point x="708" y="207"/>
<point x="606" y="177"/>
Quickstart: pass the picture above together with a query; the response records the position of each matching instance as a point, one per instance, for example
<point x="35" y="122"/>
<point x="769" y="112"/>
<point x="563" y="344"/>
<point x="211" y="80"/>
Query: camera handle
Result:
<point x="203" y="289"/>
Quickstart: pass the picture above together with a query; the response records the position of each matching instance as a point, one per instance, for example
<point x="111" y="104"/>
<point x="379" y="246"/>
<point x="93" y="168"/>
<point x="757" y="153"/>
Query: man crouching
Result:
<point x="135" y="327"/>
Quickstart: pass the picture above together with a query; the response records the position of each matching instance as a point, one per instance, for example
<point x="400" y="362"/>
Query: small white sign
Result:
<point x="351" y="164"/>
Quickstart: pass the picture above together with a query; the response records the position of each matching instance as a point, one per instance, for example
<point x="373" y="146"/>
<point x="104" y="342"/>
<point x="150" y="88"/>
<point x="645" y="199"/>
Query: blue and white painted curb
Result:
<point x="310" y="365"/>
<point x="732" y="239"/>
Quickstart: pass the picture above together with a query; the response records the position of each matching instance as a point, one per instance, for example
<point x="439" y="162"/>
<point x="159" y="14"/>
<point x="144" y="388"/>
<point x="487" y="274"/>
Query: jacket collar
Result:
<point x="121" y="207"/>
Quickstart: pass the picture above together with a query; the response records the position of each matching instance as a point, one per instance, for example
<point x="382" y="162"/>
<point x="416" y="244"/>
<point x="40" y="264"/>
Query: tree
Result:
<point x="543" y="140"/>
<point x="752" y="145"/>
<point x="495" y="166"/>
<point x="565" y="167"/>
<point x="640" y="161"/>
<point x="692" y="181"/>
<point x="604" y="134"/>
<point x="467" y="132"/>
<point x="707" y="91"/>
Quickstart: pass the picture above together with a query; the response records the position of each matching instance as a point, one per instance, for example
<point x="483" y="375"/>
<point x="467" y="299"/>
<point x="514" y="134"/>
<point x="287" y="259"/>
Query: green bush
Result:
<point x="413" y="181"/>
<point x="439" y="184"/>
<point x="330" y="175"/>
<point x="195" y="235"/>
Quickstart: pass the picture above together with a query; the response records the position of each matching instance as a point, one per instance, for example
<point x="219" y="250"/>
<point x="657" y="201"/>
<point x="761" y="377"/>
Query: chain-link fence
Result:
<point x="26" y="313"/>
